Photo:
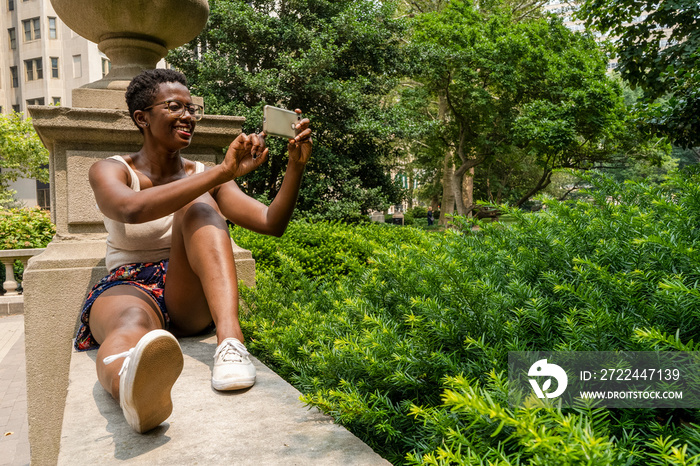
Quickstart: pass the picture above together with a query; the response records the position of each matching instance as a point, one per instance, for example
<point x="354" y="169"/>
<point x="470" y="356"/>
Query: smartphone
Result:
<point x="280" y="122"/>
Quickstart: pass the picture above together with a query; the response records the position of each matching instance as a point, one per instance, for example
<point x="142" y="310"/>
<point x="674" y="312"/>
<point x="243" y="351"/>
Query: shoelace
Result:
<point x="114" y="357"/>
<point x="231" y="348"/>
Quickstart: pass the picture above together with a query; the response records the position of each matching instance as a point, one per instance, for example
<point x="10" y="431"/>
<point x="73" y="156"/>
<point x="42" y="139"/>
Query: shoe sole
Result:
<point x="145" y="390"/>
<point x="233" y="385"/>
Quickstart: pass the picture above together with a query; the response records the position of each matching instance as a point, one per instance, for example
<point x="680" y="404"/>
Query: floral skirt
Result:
<point x="150" y="277"/>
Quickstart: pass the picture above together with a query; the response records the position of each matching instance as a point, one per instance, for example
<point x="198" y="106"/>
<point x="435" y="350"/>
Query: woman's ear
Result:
<point x="140" y="118"/>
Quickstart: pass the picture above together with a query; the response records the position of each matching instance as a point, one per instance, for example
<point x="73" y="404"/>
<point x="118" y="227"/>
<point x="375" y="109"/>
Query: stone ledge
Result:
<point x="264" y="425"/>
<point x="11" y="305"/>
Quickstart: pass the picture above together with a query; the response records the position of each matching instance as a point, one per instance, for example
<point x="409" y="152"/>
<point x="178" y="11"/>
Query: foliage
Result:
<point x="406" y="340"/>
<point x="22" y="154"/>
<point x="659" y="160"/>
<point x="658" y="48"/>
<point x="645" y="171"/>
<point x="322" y="250"/>
<point x="335" y="60"/>
<point x="25" y="228"/>
<point x="686" y="157"/>
<point x="419" y="212"/>
<point x="522" y="99"/>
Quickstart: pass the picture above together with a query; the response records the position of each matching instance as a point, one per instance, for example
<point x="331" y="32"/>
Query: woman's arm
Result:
<point x="249" y="213"/>
<point x="118" y="201"/>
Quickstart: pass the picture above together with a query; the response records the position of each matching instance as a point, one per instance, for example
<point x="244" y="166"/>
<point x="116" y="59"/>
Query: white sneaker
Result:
<point x="232" y="367"/>
<point x="146" y="378"/>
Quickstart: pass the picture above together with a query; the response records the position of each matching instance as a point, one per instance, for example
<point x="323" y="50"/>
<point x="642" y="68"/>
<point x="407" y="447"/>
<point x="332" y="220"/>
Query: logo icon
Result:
<point x="542" y="369"/>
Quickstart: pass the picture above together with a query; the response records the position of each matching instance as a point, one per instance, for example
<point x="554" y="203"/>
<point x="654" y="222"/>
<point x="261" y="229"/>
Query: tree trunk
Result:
<point x="468" y="191"/>
<point x="448" y="196"/>
<point x="463" y="186"/>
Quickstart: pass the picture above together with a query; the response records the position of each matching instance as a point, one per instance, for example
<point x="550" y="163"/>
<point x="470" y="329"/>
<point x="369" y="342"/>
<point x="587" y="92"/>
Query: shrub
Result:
<point x="419" y="212"/>
<point x="25" y="228"/>
<point x="327" y="250"/>
<point x="420" y="222"/>
<point x="408" y="348"/>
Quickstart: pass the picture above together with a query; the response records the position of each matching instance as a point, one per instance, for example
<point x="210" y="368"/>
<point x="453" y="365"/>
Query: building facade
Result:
<point x="41" y="62"/>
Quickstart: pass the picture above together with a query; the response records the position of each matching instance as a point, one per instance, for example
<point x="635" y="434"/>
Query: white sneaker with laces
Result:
<point x="146" y="378"/>
<point x="232" y="367"/>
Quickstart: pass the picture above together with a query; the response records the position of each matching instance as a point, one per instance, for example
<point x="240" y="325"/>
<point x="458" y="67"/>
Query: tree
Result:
<point x="336" y="60"/>
<point x="658" y="49"/>
<point x="517" y="91"/>
<point x="442" y="178"/>
<point x="22" y="154"/>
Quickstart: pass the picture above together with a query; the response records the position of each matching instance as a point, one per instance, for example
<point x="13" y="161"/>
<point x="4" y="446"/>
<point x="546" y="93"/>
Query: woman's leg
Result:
<point x="118" y="319"/>
<point x="127" y="323"/>
<point x="201" y="284"/>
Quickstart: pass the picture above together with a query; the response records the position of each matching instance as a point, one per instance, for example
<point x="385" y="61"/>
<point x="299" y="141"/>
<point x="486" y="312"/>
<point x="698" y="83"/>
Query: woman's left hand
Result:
<point x="246" y="153"/>
<point x="300" y="147"/>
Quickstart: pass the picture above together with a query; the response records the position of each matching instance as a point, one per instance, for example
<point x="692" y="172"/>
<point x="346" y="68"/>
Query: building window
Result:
<point x="42" y="195"/>
<point x="15" y="108"/>
<point x="106" y="66"/>
<point x="13" y="38"/>
<point x="56" y="101"/>
<point x="32" y="29"/>
<point x="36" y="24"/>
<point x="54" y="67"/>
<point x="77" y="66"/>
<point x="11" y="5"/>
<point x="34" y="69"/>
<point x="53" y="32"/>
<point x="39" y="101"/>
<point x="15" y="76"/>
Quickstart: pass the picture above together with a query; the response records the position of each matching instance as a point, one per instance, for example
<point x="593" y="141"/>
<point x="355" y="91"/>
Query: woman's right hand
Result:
<point x="245" y="154"/>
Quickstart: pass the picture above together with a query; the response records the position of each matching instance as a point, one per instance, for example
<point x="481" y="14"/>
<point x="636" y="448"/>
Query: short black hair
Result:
<point x="143" y="88"/>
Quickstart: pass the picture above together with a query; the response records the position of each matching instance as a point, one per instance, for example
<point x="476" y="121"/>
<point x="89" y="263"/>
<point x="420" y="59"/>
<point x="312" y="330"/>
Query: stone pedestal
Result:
<point x="134" y="34"/>
<point x="57" y="281"/>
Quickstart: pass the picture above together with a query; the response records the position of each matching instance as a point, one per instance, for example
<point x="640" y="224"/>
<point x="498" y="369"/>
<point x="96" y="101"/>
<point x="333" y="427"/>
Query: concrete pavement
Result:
<point x="14" y="439"/>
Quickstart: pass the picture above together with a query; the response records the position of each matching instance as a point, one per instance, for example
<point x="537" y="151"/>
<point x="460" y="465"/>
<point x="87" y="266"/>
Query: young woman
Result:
<point x="166" y="215"/>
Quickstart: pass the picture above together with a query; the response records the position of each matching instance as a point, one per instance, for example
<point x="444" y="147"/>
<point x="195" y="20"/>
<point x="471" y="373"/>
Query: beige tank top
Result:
<point x="129" y="243"/>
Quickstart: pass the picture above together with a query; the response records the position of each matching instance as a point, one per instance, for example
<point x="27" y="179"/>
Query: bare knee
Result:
<point x="202" y="211"/>
<point x="135" y="317"/>
<point x="131" y="319"/>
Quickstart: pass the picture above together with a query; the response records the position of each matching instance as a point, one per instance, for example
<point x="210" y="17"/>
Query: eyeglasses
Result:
<point x="177" y="109"/>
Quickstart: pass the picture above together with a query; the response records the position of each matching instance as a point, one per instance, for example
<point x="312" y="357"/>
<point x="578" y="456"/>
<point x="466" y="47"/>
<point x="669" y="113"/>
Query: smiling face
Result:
<point x="173" y="132"/>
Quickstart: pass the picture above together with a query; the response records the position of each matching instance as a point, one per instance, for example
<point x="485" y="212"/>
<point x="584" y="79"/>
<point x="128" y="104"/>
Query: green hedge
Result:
<point x="25" y="228"/>
<point x="404" y="339"/>
<point x="323" y="250"/>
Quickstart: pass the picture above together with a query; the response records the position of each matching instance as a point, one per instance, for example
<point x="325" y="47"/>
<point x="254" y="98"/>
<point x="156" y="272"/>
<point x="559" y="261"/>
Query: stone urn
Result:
<point x="134" y="34"/>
